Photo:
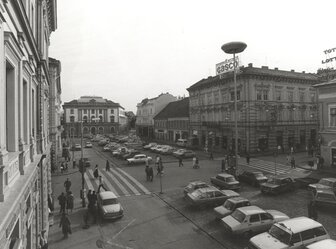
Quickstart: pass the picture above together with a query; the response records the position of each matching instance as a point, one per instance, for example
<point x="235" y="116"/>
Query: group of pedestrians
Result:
<point x="64" y="167"/>
<point x="92" y="208"/>
<point x="291" y="161"/>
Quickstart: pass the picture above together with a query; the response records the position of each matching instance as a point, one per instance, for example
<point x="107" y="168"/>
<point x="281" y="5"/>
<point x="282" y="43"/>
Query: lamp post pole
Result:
<point x="82" y="167"/>
<point x="235" y="48"/>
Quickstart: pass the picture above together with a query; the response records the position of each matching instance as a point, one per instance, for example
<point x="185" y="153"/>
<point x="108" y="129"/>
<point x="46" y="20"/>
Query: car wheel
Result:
<point x="247" y="234"/>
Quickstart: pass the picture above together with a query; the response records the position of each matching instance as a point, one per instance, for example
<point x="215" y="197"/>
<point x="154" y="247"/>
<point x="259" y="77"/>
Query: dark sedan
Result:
<point x="277" y="185"/>
<point x="254" y="178"/>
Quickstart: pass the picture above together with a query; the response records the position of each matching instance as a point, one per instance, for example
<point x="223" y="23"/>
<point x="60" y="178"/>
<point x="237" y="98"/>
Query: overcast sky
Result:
<point x="126" y="51"/>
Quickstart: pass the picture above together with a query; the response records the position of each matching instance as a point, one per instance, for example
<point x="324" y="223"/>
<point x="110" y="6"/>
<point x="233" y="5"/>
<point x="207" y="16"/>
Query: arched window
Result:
<point x="100" y="118"/>
<point x="112" y="129"/>
<point x="85" y="119"/>
<point x="85" y="130"/>
<point x="72" y="119"/>
<point x="101" y="130"/>
<point x="92" y="118"/>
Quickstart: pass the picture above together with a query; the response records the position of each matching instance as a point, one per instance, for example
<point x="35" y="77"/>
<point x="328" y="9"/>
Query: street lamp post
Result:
<point x="235" y="48"/>
<point x="82" y="166"/>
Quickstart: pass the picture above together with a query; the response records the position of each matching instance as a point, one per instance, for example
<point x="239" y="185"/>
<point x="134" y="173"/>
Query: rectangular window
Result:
<point x="238" y="95"/>
<point x="232" y="96"/>
<point x="72" y="111"/>
<point x="312" y="97"/>
<point x="112" y="111"/>
<point x="92" y="111"/>
<point x="112" y="119"/>
<point x="209" y="97"/>
<point x="291" y="115"/>
<point x="216" y="94"/>
<point x="85" y="111"/>
<point x="259" y="95"/>
<point x="290" y="96"/>
<point x="278" y="95"/>
<point x="332" y="116"/>
<point x="100" y="111"/>
<point x="301" y="96"/>
<point x="265" y="94"/>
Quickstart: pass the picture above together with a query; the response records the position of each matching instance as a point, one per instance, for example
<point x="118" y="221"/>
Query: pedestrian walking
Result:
<point x="107" y="168"/>
<point x="151" y="173"/>
<point x="288" y="159"/>
<point x="248" y="158"/>
<point x="293" y="163"/>
<point x="62" y="167"/>
<point x="211" y="156"/>
<point x="147" y="173"/>
<point x="62" y="201"/>
<point x="147" y="161"/>
<point x="67" y="185"/>
<point x="73" y="163"/>
<point x="180" y="162"/>
<point x="66" y="225"/>
<point x="42" y="240"/>
<point x="194" y="162"/>
<point x="101" y="184"/>
<point x="312" y="211"/>
<point x="66" y="167"/>
<point x="70" y="201"/>
<point x="95" y="172"/>
<point x="223" y="165"/>
<point x="197" y="163"/>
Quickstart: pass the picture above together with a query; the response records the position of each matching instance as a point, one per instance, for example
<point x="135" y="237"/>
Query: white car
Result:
<point x="290" y="234"/>
<point x="150" y="145"/>
<point x="141" y="158"/>
<point x="107" y="148"/>
<point x="88" y="145"/>
<point x="323" y="244"/>
<point x="109" y="206"/>
<point x="251" y="220"/>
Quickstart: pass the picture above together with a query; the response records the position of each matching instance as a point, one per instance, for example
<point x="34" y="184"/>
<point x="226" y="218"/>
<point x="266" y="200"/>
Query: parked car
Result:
<point x="209" y="196"/>
<point x="168" y="150"/>
<point x="150" y="145"/>
<point x="292" y="233"/>
<point x="182" y="142"/>
<point x="324" y="183"/>
<point x="183" y="153"/>
<point x="323" y="244"/>
<point x="109" y="206"/>
<point x="325" y="197"/>
<point x="194" y="185"/>
<point x="254" y="178"/>
<point x="118" y="152"/>
<point x="131" y="153"/>
<point x="277" y="185"/>
<point x="77" y="147"/>
<point x="103" y="142"/>
<point x="140" y="158"/>
<point x="231" y="205"/>
<point x="225" y="181"/>
<point x="107" y="148"/>
<point x="251" y="220"/>
<point x="156" y="148"/>
<point x="88" y="145"/>
<point x="87" y="162"/>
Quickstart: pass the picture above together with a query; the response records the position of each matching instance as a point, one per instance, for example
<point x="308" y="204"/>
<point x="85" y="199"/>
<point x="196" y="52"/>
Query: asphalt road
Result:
<point x="166" y="221"/>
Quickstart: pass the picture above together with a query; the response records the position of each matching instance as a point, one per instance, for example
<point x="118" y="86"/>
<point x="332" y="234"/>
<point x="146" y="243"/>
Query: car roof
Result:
<point x="299" y="224"/>
<point x="197" y="182"/>
<point x="330" y="179"/>
<point x="107" y="195"/>
<point x="140" y="155"/>
<point x="225" y="175"/>
<point x="207" y="189"/>
<point x="250" y="210"/>
<point x="238" y="199"/>
<point x="326" y="243"/>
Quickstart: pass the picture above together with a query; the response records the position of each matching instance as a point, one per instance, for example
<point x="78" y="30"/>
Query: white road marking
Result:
<point x="145" y="190"/>
<point x="116" y="181"/>
<point x="109" y="185"/>
<point x="88" y="181"/>
<point x="136" y="192"/>
<point x="106" y="182"/>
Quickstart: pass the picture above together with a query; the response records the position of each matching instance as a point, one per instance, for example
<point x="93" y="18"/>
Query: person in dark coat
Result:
<point x="95" y="172"/>
<point x="312" y="211"/>
<point x="66" y="225"/>
<point x="151" y="173"/>
<point x="107" y="168"/>
<point x="62" y="201"/>
<point x="67" y="185"/>
<point x="248" y="158"/>
<point x="70" y="201"/>
<point x="223" y="165"/>
<point x="180" y="162"/>
<point x="147" y="173"/>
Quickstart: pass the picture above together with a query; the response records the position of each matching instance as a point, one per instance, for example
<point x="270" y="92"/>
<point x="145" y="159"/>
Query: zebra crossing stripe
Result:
<point x="106" y="182"/>
<point x="264" y="169"/>
<point x="145" y="190"/>
<point x="136" y="192"/>
<point x="88" y="182"/>
<point x="109" y="185"/>
<point x="116" y="181"/>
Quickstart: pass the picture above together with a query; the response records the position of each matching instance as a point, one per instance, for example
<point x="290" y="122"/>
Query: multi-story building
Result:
<point x="277" y="110"/>
<point x="146" y="110"/>
<point x="25" y="28"/>
<point x="96" y="114"/>
<point x="55" y="111"/>
<point x="327" y="111"/>
<point x="172" y="122"/>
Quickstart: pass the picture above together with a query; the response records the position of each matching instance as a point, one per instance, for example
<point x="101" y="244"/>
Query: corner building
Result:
<point x="25" y="29"/>
<point x="277" y="110"/>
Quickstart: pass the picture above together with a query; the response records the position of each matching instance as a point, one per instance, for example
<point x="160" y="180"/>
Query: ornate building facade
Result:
<point x="327" y="111"/>
<point x="146" y="110"/>
<point x="25" y="28"/>
<point x="277" y="110"/>
<point x="96" y="114"/>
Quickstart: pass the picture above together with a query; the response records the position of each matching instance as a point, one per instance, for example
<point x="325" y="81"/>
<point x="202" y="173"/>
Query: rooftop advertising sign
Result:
<point x="227" y="66"/>
<point x="328" y="52"/>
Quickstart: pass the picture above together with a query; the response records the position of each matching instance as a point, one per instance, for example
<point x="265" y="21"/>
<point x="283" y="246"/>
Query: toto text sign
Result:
<point x="227" y="66"/>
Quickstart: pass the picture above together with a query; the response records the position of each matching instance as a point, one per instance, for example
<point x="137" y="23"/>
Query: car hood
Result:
<point x="265" y="241"/>
<point x="277" y="215"/>
<point x="269" y="185"/>
<point x="111" y="208"/>
<point x="230" y="193"/>
<point x="222" y="211"/>
<point x="230" y="221"/>
<point x="262" y="178"/>
<point x="319" y="186"/>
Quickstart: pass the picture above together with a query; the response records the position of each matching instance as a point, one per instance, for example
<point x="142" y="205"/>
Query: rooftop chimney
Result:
<point x="250" y="65"/>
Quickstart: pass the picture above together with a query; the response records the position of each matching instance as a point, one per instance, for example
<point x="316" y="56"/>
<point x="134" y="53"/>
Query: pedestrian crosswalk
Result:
<point x="116" y="180"/>
<point x="267" y="166"/>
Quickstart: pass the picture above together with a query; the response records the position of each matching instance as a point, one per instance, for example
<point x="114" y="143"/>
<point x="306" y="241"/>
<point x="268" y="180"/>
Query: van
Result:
<point x="292" y="233"/>
<point x="182" y="142"/>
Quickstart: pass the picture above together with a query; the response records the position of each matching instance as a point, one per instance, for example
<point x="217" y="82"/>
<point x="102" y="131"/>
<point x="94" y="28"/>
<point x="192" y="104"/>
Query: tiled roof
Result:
<point x="263" y="71"/>
<point x="176" y="109"/>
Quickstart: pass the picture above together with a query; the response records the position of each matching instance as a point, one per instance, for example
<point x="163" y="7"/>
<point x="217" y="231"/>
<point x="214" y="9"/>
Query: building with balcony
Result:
<point x="99" y="116"/>
<point x="25" y="80"/>
<point x="276" y="110"/>
<point x="172" y="123"/>
<point x="327" y="110"/>
<point x="146" y="110"/>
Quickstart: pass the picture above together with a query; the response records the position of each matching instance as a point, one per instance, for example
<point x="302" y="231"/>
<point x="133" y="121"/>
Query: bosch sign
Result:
<point x="227" y="66"/>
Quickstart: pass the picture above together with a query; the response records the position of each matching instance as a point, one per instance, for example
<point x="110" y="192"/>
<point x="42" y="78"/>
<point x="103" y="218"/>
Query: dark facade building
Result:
<point x="277" y="110"/>
<point x="172" y="122"/>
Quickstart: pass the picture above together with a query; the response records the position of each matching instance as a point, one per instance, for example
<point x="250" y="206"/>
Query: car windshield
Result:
<point x="280" y="234"/>
<point x="258" y="175"/>
<point x="229" y="205"/>
<point x="238" y="215"/>
<point x="230" y="179"/>
<point x="110" y="202"/>
<point x="326" y="182"/>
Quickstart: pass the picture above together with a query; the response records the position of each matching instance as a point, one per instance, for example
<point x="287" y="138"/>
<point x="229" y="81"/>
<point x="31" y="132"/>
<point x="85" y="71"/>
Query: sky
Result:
<point x="129" y="50"/>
